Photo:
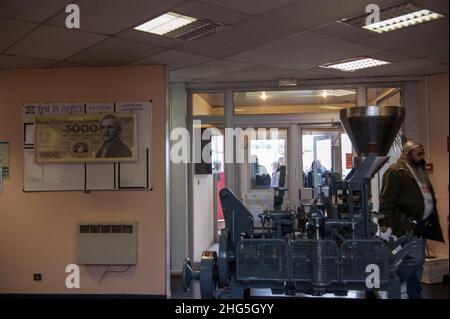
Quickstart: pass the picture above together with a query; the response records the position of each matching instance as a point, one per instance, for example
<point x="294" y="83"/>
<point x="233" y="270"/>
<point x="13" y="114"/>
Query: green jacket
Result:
<point x="401" y="200"/>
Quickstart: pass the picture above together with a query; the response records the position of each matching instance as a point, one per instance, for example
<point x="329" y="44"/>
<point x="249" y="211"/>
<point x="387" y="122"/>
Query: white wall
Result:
<point x="178" y="185"/>
<point x="203" y="226"/>
<point x="434" y="136"/>
<point x="411" y="103"/>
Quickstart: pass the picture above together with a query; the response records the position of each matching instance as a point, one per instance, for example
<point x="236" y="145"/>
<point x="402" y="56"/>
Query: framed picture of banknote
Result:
<point x="100" y="137"/>
<point x="81" y="133"/>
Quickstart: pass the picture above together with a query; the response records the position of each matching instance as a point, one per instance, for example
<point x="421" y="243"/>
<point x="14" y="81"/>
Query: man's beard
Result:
<point x="419" y="168"/>
<point x="418" y="164"/>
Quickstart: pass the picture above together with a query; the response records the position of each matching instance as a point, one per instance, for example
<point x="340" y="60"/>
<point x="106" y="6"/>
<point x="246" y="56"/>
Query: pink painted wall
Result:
<point x="37" y="230"/>
<point x="438" y="154"/>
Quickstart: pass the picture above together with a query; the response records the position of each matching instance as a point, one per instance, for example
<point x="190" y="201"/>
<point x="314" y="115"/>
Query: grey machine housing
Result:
<point x="330" y="248"/>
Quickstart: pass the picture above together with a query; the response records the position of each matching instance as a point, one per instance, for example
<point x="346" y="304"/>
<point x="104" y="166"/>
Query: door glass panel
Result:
<point x="266" y="157"/>
<point x="293" y="101"/>
<point x="324" y="150"/>
<point x="218" y="157"/>
<point x="316" y="157"/>
<point x="384" y="96"/>
<point x="261" y="173"/>
<point x="207" y="104"/>
<point x="208" y="180"/>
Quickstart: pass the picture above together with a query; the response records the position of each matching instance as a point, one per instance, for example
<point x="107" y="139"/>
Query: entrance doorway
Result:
<point x="324" y="150"/>
<point x="265" y="156"/>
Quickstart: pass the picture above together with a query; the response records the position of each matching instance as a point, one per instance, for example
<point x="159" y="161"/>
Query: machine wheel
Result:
<point x="222" y="260"/>
<point x="188" y="274"/>
<point x="208" y="275"/>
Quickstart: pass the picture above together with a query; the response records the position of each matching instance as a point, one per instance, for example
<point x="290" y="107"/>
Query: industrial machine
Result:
<point x="330" y="248"/>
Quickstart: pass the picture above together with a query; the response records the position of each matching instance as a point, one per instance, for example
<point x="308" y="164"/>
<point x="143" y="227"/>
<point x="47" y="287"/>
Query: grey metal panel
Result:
<point x="262" y="259"/>
<point x="358" y="254"/>
<point x="118" y="246"/>
<point x="316" y="261"/>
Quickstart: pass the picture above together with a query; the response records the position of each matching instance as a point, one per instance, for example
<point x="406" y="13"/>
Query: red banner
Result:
<point x="348" y="160"/>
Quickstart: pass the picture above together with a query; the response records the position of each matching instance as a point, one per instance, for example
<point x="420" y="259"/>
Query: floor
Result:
<point x="435" y="291"/>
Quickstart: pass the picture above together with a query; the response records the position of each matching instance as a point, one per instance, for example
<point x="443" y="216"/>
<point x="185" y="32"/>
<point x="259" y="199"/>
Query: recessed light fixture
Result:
<point x="165" y="23"/>
<point x="324" y="93"/>
<point x="178" y="26"/>
<point x="263" y="96"/>
<point x="354" y="64"/>
<point x="403" y="21"/>
<point x="395" y="17"/>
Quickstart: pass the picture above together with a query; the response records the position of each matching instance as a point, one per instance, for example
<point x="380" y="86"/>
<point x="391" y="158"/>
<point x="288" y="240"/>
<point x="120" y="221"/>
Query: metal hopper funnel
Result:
<point x="372" y="129"/>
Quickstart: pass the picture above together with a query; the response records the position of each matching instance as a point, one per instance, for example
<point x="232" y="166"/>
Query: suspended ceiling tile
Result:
<point x="12" y="30"/>
<point x="435" y="69"/>
<point x="317" y="73"/>
<point x="334" y="53"/>
<point x="441" y="58"/>
<point x="253" y="7"/>
<point x="412" y="71"/>
<point x="20" y="62"/>
<point x="313" y="13"/>
<point x="294" y="46"/>
<point x="151" y="39"/>
<point x="179" y="79"/>
<point x="54" y="43"/>
<point x="35" y="11"/>
<point x="113" y="16"/>
<point x="418" y="63"/>
<point x="440" y="6"/>
<point x="210" y="69"/>
<point x="114" y="51"/>
<point x="212" y="12"/>
<point x="344" y="31"/>
<point x="427" y="49"/>
<point x="175" y="59"/>
<point x="391" y="56"/>
<point x="256" y="73"/>
<point x="238" y="38"/>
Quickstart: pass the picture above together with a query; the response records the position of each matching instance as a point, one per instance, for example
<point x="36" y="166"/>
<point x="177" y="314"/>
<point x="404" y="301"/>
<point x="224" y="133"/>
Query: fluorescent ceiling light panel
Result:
<point x="403" y="21"/>
<point x="165" y="23"/>
<point x="394" y="18"/>
<point x="354" y="64"/>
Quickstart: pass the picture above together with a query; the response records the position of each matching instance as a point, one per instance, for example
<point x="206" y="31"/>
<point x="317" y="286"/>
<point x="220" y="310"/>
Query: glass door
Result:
<point x="323" y="150"/>
<point x="265" y="168"/>
<point x="218" y="170"/>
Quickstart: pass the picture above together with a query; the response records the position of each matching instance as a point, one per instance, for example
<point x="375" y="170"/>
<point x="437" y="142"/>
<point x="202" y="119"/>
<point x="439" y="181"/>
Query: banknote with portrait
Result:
<point x="86" y="138"/>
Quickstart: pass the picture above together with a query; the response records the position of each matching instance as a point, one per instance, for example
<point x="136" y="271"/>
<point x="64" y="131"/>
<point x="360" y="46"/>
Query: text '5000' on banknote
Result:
<point x="86" y="138"/>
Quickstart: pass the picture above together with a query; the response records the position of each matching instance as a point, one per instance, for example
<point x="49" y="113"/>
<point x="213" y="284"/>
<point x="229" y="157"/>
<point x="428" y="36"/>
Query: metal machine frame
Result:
<point x="330" y="249"/>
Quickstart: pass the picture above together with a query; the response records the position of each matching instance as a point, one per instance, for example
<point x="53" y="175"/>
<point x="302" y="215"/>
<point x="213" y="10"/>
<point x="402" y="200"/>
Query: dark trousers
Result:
<point x="410" y="271"/>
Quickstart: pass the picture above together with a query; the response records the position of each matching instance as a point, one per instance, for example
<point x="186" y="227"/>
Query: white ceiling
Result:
<point x="263" y="40"/>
